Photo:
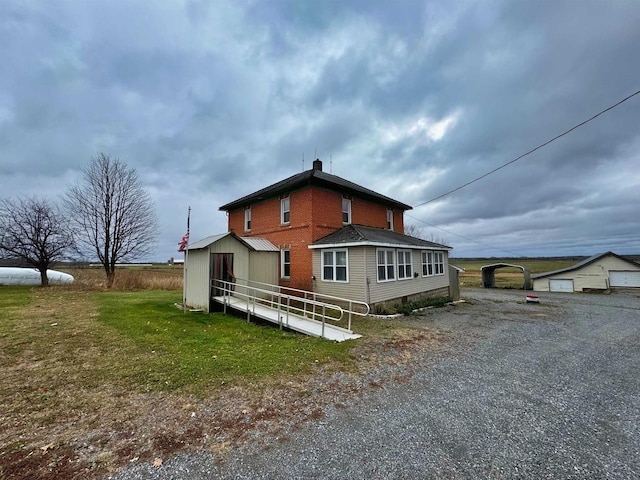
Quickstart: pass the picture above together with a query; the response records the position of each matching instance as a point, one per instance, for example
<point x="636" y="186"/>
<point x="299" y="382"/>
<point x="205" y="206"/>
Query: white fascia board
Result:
<point x="377" y="244"/>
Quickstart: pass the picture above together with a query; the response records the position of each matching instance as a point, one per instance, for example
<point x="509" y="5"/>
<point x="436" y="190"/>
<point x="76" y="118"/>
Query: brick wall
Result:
<point x="315" y="213"/>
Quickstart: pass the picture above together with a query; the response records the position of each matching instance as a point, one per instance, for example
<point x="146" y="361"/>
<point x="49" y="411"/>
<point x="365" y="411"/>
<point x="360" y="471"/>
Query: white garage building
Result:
<point x="600" y="272"/>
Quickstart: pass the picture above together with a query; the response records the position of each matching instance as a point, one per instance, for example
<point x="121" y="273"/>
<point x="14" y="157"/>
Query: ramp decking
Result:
<point x="289" y="320"/>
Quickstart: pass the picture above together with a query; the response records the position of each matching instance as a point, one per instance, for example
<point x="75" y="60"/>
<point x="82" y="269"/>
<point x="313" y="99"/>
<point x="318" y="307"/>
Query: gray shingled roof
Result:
<point x="313" y="177"/>
<point x="360" y="235"/>
<point x="581" y="264"/>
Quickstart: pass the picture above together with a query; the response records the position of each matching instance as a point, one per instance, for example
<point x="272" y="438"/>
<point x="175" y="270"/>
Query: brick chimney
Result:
<point x="317" y="164"/>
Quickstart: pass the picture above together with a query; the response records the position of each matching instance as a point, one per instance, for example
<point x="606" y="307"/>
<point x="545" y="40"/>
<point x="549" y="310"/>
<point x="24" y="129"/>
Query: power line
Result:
<point x="466" y="238"/>
<point x="529" y="152"/>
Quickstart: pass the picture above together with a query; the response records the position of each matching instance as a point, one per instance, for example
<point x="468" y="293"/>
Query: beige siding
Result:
<point x="382" y="291"/>
<point x="263" y="267"/>
<point x="197" y="279"/>
<point x="363" y="278"/>
<point x="594" y="275"/>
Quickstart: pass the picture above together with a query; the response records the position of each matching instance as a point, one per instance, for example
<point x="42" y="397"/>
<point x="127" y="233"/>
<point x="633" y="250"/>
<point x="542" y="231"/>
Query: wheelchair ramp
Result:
<point x="287" y="319"/>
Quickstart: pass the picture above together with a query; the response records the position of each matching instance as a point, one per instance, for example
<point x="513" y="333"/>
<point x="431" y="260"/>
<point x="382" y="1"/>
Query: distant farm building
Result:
<point x="597" y="273"/>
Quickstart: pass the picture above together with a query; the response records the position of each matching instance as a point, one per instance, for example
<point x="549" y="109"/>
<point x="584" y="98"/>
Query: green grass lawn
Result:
<point x="12" y="298"/>
<point x="130" y="375"/>
<point x="140" y="341"/>
<point x="194" y="351"/>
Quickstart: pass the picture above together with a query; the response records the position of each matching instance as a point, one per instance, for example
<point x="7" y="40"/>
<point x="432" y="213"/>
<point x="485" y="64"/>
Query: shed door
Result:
<point x="624" y="279"/>
<point x="560" y="285"/>
<point x="221" y="269"/>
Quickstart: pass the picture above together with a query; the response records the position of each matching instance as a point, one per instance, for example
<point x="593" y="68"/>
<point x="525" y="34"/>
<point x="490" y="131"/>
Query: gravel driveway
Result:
<point x="534" y="391"/>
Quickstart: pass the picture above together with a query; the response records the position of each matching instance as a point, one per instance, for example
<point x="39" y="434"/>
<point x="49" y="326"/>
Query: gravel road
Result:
<point x="533" y="391"/>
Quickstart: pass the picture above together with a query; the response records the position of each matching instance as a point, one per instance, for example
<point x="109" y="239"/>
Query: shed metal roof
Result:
<point x="360" y="235"/>
<point x="260" y="244"/>
<point x="254" y="243"/>
<point x="205" y="242"/>
<point x="314" y="176"/>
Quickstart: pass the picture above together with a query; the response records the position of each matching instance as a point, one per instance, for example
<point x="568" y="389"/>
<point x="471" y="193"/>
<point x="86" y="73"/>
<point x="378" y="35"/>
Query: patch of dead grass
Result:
<point x="126" y="279"/>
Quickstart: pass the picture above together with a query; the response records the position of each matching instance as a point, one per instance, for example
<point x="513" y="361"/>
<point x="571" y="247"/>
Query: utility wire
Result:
<point x="493" y="247"/>
<point x="529" y="152"/>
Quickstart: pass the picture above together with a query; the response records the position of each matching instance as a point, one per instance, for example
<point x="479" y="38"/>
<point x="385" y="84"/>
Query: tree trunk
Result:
<point x="111" y="276"/>
<point x="44" y="280"/>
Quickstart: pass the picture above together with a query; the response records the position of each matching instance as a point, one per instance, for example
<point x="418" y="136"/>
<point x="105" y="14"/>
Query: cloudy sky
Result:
<point x="212" y="100"/>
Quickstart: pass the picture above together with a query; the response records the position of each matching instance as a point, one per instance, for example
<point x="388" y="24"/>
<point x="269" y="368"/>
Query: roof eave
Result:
<point x="305" y="179"/>
<point x="368" y="243"/>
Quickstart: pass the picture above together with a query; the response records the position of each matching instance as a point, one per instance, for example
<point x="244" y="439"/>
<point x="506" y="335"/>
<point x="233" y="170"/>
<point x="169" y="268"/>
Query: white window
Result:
<point x="438" y="263"/>
<point x="432" y="263"/>
<point x="405" y="268"/>
<point x="389" y="219"/>
<point x="386" y="265"/>
<point x="427" y="264"/>
<point x="285" y="212"/>
<point x="285" y="263"/>
<point x="335" y="266"/>
<point x="247" y="219"/>
<point x="346" y="210"/>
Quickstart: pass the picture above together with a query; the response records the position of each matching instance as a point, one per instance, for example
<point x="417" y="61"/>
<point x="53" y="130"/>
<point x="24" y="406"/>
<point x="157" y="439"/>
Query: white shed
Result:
<point x="227" y="257"/>
<point x="600" y="272"/>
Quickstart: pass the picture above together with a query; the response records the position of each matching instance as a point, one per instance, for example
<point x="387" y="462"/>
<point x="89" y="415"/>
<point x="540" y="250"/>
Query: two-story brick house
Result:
<point x="338" y="238"/>
<point x="306" y="207"/>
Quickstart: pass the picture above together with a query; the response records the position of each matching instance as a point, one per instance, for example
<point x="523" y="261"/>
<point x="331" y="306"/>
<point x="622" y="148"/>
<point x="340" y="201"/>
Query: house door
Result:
<point x="221" y="269"/>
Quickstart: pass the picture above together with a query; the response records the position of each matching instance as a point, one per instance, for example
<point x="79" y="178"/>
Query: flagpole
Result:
<point x="184" y="266"/>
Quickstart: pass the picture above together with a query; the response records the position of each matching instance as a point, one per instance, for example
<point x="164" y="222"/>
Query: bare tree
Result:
<point x="418" y="232"/>
<point x="114" y="215"/>
<point x="35" y="231"/>
<point x="413" y="231"/>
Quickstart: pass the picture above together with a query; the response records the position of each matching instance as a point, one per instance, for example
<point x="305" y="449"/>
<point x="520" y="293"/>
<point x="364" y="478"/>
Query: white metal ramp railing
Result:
<point x="350" y="307"/>
<point x="290" y="307"/>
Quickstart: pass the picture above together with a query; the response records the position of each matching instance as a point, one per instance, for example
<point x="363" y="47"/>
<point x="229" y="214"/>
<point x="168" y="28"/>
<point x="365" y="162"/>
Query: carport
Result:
<point x="489" y="275"/>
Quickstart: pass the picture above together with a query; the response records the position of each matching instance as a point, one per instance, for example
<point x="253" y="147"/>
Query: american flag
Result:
<point x="182" y="244"/>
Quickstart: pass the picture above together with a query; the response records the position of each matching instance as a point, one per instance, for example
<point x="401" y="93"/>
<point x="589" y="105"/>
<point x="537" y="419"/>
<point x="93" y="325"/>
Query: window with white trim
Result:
<point x="285" y="263"/>
<point x="285" y="211"/>
<point x="432" y="263"/>
<point x="386" y="265"/>
<point x="335" y="266"/>
<point x="346" y="210"/>
<point x="427" y="264"/>
<point x="405" y="268"/>
<point x="247" y="219"/>
<point x="438" y="263"/>
<point x="389" y="219"/>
